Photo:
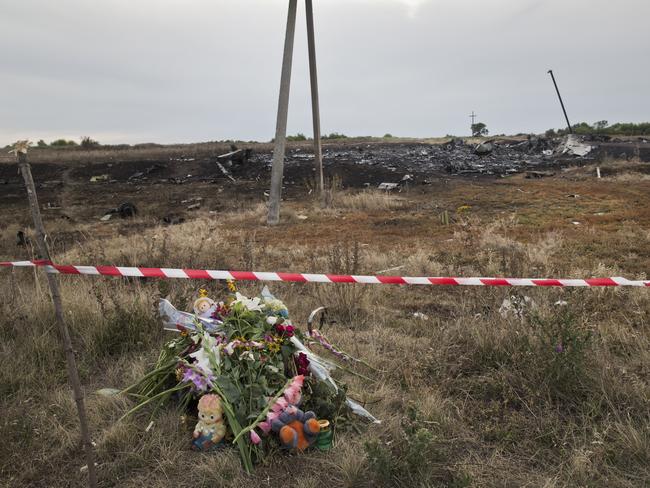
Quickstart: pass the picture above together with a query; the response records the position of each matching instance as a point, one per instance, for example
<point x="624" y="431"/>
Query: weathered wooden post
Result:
<point x="315" y="106"/>
<point x="281" y="126"/>
<point x="73" y="374"/>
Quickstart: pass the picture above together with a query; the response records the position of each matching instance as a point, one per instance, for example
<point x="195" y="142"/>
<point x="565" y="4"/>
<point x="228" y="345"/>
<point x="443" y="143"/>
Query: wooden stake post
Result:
<point x="52" y="281"/>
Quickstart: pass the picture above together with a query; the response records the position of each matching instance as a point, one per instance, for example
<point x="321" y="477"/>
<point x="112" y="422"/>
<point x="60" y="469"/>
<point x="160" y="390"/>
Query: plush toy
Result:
<point x="204" y="307"/>
<point x="210" y="429"/>
<point x="297" y="429"/>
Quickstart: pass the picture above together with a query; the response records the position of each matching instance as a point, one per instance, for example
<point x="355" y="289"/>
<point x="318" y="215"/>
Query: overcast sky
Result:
<point x="195" y="70"/>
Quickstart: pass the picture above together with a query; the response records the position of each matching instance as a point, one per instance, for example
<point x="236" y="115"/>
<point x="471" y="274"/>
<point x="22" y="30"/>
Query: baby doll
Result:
<point x="210" y="429"/>
<point x="204" y="307"/>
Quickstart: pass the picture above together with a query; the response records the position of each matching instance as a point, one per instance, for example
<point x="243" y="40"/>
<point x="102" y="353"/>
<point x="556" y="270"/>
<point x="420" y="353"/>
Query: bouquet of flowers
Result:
<point x="243" y="358"/>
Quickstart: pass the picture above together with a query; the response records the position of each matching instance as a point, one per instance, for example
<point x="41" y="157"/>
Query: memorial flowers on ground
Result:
<point x="250" y="374"/>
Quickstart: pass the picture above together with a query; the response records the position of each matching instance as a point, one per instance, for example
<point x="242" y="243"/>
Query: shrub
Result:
<point x="334" y="135"/>
<point x="88" y="143"/>
<point x="62" y="143"/>
<point x="298" y="137"/>
<point x="414" y="458"/>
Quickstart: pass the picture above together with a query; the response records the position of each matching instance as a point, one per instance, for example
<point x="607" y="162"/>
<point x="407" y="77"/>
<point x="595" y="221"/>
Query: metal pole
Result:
<point x="281" y="126"/>
<point x="315" y="106"/>
<point x="73" y="375"/>
<point x="550" y="71"/>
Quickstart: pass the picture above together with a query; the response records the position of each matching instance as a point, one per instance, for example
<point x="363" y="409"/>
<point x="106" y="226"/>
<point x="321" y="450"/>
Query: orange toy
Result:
<point x="299" y="435"/>
<point x="297" y="429"/>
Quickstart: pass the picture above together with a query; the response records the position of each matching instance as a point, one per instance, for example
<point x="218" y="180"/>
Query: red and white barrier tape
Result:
<point x="206" y="274"/>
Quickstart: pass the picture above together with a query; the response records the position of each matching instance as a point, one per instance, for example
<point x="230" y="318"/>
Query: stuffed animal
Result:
<point x="204" y="307"/>
<point x="210" y="429"/>
<point x="297" y="429"/>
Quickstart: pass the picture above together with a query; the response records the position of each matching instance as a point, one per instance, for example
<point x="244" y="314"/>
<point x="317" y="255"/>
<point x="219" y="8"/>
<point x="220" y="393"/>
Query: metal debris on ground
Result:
<point x="574" y="146"/>
<point x="388" y="186"/>
<point x="539" y="174"/>
<point x="124" y="210"/>
<point x="484" y="148"/>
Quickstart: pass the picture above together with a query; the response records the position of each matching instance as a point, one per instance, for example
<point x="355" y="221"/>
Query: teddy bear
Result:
<point x="210" y="429"/>
<point x="296" y="429"/>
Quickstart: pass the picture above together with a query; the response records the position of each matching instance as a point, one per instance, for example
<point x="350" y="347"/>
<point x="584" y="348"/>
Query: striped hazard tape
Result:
<point x="207" y="274"/>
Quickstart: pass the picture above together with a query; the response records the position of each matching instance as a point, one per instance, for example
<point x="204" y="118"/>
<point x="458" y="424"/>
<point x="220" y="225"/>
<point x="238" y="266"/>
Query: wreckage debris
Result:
<point x="239" y="156"/>
<point x="22" y="240"/>
<point x="484" y="148"/>
<point x="574" y="146"/>
<point x="539" y="174"/>
<point x="173" y="220"/>
<point x="124" y="210"/>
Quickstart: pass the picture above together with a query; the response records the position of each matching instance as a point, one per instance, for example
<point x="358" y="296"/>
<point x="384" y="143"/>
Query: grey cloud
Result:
<point x="172" y="71"/>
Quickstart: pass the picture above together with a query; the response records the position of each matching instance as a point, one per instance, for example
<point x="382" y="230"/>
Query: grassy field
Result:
<point x="554" y="395"/>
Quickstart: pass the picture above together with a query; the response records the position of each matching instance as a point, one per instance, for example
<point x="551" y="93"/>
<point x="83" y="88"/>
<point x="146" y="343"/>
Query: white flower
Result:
<point x="275" y="304"/>
<point x="271" y="320"/>
<point x="202" y="361"/>
<point x="230" y="347"/>
<point x="247" y="355"/>
<point x="252" y="304"/>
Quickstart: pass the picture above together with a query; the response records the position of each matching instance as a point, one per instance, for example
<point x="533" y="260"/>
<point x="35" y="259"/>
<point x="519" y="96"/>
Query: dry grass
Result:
<point x="467" y="397"/>
<point x="369" y="201"/>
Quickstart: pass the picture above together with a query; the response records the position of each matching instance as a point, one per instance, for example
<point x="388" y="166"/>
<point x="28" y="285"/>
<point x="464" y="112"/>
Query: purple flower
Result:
<point x="199" y="382"/>
<point x="559" y="348"/>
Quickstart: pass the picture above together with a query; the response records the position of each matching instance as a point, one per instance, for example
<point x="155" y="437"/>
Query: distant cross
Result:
<point x="472" y="116"/>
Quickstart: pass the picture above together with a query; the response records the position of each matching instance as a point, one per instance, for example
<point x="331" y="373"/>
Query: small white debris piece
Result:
<point x="388" y="186"/>
<point x="149" y="426"/>
<point x="421" y="316"/>
<point x="108" y="392"/>
<point x="106" y="217"/>
<point x="515" y="306"/>
<point x="561" y="303"/>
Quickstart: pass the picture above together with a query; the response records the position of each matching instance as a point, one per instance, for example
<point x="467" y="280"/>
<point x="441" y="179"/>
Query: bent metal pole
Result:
<point x="277" y="171"/>
<point x="52" y="280"/>
<point x="550" y="72"/>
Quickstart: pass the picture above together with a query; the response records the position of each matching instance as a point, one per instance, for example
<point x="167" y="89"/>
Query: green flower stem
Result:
<point x="159" y="395"/>
<point x="265" y="411"/>
<point x="150" y="375"/>
<point x="244" y="449"/>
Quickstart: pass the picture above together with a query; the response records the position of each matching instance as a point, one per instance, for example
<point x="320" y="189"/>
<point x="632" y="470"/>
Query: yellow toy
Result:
<point x="210" y="429"/>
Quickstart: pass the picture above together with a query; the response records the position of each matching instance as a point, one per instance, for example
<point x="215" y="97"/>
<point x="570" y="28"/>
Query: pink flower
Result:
<point x="279" y="405"/>
<point x="271" y="416"/>
<point x="293" y="397"/>
<point x="255" y="439"/>
<point x="292" y="394"/>
<point x="265" y="426"/>
<point x="298" y="380"/>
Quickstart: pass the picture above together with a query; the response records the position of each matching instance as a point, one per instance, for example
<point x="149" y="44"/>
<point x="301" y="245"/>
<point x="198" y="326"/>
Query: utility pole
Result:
<point x="73" y="374"/>
<point x="277" y="171"/>
<point x="550" y="71"/>
<point x="472" y="116"/>
<point x="315" y="107"/>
